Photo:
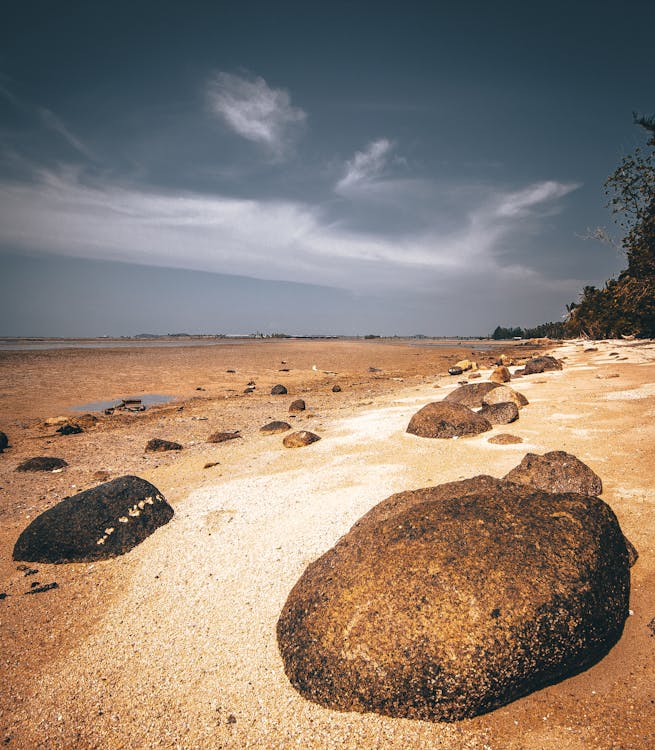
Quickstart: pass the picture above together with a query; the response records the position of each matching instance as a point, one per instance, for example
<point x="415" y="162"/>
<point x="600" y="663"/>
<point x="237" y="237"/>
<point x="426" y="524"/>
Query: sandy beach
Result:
<point x="173" y="645"/>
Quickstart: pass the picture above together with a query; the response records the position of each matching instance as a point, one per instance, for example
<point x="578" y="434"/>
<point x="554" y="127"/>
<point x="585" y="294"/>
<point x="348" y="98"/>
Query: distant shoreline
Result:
<point x="25" y="343"/>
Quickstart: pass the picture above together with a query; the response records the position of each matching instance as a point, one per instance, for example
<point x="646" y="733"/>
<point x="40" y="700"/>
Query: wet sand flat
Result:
<point x="173" y="645"/>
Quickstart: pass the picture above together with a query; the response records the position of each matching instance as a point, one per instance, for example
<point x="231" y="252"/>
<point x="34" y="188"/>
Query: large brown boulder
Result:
<point x="556" y="471"/>
<point x="457" y="604"/>
<point x="99" y="523"/>
<point x="471" y="394"/>
<point x="441" y="419"/>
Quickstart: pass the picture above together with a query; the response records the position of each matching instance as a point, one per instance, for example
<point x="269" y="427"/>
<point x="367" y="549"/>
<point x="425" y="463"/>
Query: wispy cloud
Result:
<point x="56" y="125"/>
<point x="48" y="119"/>
<point x="365" y="165"/>
<point x="521" y="202"/>
<point x="255" y="110"/>
<point x="283" y="240"/>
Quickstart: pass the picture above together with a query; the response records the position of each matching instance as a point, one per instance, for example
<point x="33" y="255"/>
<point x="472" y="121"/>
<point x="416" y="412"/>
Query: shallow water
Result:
<point x="147" y="399"/>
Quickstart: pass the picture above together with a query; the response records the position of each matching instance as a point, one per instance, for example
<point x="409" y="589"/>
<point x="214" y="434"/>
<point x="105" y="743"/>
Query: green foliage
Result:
<point x="626" y="305"/>
<point x="545" y="330"/>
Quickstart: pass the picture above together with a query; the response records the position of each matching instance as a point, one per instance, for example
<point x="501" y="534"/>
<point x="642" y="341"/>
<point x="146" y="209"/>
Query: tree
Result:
<point x="626" y="305"/>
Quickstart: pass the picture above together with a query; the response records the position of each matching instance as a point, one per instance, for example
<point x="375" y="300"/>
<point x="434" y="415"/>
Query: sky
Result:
<point x="344" y="168"/>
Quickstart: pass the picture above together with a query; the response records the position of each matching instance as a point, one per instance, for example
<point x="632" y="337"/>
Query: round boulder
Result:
<point x="502" y="413"/>
<point x="274" y="428"/>
<point x="503" y="394"/>
<point x="446" y="420"/>
<point x="500" y="375"/>
<point x="300" y="439"/>
<point x="297" y="405"/>
<point x="471" y="394"/>
<point x="99" y="523"/>
<point x="278" y="390"/>
<point x="541" y="364"/>
<point x="556" y="471"/>
<point x="437" y="613"/>
<point x="42" y="463"/>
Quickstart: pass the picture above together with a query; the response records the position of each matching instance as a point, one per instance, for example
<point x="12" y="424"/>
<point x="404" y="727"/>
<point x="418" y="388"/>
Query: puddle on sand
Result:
<point x="147" y="399"/>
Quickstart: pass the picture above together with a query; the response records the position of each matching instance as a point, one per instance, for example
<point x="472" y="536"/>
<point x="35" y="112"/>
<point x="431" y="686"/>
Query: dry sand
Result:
<point x="173" y="645"/>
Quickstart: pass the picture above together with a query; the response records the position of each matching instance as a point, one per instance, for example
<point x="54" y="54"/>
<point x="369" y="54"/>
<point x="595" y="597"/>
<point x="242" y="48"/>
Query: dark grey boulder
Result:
<point x="556" y="471"/>
<point x="4" y="441"/>
<point x="336" y="389"/>
<point x="503" y="413"/>
<point x="471" y="394"/>
<point x="42" y="463"/>
<point x="297" y="405"/>
<point x="447" y="606"/>
<point x="441" y="419"/>
<point x="96" y="524"/>
<point x="278" y="390"/>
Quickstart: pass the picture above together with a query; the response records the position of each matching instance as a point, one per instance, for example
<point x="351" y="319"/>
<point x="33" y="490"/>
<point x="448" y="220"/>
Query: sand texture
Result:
<point x="173" y="645"/>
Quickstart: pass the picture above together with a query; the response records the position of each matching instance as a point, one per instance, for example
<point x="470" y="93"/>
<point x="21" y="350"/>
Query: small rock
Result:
<point x="222" y="437"/>
<point x="591" y="349"/>
<point x="4" y="441"/>
<point x="650" y="626"/>
<point x="69" y="429"/>
<point x="3" y="595"/>
<point x="505" y="439"/>
<point x="250" y="389"/>
<point x="41" y="589"/>
<point x="300" y="439"/>
<point x="464" y="364"/>
<point x="609" y="376"/>
<point x="101" y="475"/>
<point x="504" y="412"/>
<point x="374" y="369"/>
<point x="232" y="372"/>
<point x="297" y="405"/>
<point x="500" y="375"/>
<point x="211" y="464"/>
<point x="441" y="419"/>
<point x="278" y="390"/>
<point x="157" y="445"/>
<point x="200" y="388"/>
<point x="42" y="463"/>
<point x="474" y="375"/>
<point x="55" y="421"/>
<point x="274" y="428"/>
<point x="455" y="371"/>
<point x="336" y="389"/>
